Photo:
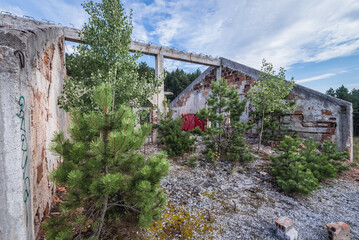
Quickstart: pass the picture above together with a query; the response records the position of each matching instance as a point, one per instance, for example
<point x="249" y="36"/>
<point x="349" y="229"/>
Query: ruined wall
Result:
<point x="322" y="117"/>
<point x="194" y="97"/>
<point x="317" y="115"/>
<point x="31" y="78"/>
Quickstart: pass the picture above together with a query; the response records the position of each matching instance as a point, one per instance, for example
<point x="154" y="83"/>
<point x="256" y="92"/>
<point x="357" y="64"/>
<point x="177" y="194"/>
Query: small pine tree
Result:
<point x="290" y="169"/>
<point x="335" y="157"/>
<point x="238" y="148"/>
<point x="224" y="137"/>
<point x="175" y="140"/>
<point x="300" y="169"/>
<point x="317" y="162"/>
<point x="107" y="180"/>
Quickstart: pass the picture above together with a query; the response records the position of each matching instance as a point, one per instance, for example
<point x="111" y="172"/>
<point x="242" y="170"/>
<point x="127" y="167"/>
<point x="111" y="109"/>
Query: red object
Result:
<point x="191" y="121"/>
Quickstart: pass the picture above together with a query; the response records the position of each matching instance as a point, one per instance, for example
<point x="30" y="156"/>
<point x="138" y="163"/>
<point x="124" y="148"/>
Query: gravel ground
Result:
<point x="242" y="202"/>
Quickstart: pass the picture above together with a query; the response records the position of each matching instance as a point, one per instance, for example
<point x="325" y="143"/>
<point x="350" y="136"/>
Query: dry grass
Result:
<point x="356" y="150"/>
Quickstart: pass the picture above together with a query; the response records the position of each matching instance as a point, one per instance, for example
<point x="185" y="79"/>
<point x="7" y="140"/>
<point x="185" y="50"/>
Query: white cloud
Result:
<point x="319" y="77"/>
<point x="70" y="48"/>
<point x="315" y="78"/>
<point x="60" y="11"/>
<point x="283" y="32"/>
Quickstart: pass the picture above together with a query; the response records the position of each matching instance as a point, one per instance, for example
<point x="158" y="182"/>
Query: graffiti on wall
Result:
<point x="24" y="160"/>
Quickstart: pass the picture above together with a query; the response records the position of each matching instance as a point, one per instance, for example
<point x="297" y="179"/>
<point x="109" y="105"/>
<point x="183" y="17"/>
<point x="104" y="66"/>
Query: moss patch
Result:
<point x="180" y="222"/>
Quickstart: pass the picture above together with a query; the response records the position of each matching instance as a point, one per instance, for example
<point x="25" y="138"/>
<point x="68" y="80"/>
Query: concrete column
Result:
<point x="160" y="74"/>
<point x="159" y="97"/>
<point x="219" y="72"/>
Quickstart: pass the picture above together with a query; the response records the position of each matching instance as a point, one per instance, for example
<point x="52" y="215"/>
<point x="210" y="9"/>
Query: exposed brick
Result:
<point x="39" y="173"/>
<point x="331" y="131"/>
<point x="246" y="88"/>
<point x="284" y="224"/>
<point x="298" y="112"/>
<point x="326" y="112"/>
<point x="197" y="86"/>
<point x="285" y="229"/>
<point x="291" y="96"/>
<point x="326" y="137"/>
<point x="182" y="101"/>
<point x="47" y="210"/>
<point x="338" y="231"/>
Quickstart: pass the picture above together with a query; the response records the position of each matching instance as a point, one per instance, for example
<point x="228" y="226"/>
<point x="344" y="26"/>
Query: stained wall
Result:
<point x="31" y="77"/>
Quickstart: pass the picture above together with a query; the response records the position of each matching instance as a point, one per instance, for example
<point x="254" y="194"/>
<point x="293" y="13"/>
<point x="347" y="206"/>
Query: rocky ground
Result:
<point x="224" y="201"/>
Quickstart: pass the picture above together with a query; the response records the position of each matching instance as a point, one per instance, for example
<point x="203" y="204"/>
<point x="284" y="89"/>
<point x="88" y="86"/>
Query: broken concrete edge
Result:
<point x="7" y="20"/>
<point x="19" y="39"/>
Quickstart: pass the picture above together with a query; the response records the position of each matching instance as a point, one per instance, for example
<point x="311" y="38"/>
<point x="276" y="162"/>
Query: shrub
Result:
<point x="290" y="169"/>
<point x="175" y="140"/>
<point x="192" y="161"/>
<point x="300" y="169"/>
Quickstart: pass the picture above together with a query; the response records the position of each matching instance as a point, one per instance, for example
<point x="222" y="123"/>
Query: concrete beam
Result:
<point x="72" y="34"/>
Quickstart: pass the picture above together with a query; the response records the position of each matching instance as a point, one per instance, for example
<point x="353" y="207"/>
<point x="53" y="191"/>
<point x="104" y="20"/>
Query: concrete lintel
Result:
<point x="72" y="34"/>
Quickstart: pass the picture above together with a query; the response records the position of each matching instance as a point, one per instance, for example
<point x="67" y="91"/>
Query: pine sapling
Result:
<point x="107" y="180"/>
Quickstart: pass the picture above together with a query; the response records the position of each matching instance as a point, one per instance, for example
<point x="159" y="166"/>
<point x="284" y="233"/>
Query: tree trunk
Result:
<point x="261" y="132"/>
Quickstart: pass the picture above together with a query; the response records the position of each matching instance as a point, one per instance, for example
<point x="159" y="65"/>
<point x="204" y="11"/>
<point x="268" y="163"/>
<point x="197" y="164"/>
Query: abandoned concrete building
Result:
<point x="32" y="56"/>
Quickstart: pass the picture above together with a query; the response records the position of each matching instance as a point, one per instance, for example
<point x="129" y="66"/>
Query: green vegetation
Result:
<point x="356" y="150"/>
<point x="267" y="98"/>
<point x="224" y="136"/>
<point x="107" y="180"/>
<point x="178" y="221"/>
<point x="106" y="58"/>
<point x="300" y="169"/>
<point x="353" y="97"/>
<point x="192" y="161"/>
<point x="177" y="81"/>
<point x="175" y="140"/>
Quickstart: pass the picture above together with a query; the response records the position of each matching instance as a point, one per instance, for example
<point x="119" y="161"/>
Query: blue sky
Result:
<point x="316" y="41"/>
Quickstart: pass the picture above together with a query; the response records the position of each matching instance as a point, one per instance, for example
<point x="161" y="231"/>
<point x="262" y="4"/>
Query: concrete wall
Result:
<point x="317" y="115"/>
<point x="31" y="78"/>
